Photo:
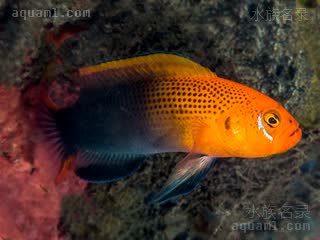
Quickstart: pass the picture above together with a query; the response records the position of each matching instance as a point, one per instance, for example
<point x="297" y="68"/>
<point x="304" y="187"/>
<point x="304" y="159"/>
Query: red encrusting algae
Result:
<point x="30" y="201"/>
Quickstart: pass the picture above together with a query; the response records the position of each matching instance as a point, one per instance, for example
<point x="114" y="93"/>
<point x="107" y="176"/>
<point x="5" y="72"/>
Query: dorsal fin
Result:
<point x="143" y="67"/>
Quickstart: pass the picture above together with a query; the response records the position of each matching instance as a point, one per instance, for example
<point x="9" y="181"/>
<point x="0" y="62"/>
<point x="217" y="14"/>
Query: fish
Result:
<point x="132" y="108"/>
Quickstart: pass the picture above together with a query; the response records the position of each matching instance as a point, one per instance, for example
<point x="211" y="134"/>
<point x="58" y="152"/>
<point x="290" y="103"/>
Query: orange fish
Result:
<point x="133" y="107"/>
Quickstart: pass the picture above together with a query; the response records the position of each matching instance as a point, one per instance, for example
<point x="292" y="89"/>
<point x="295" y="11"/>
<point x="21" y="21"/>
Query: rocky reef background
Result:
<point x="239" y="40"/>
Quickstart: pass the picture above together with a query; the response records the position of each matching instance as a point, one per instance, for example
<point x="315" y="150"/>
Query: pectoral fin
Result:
<point x="186" y="176"/>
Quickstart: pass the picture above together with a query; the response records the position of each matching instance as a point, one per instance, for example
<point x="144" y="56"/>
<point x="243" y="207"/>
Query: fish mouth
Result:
<point x="295" y="132"/>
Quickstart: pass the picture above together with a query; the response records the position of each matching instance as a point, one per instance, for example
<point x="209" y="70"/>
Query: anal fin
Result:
<point x="65" y="169"/>
<point x="186" y="176"/>
<point x="96" y="166"/>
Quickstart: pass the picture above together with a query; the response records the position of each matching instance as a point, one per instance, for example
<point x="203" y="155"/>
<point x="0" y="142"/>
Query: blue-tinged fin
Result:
<point x="106" y="167"/>
<point x="145" y="67"/>
<point x="186" y="176"/>
<point x="51" y="140"/>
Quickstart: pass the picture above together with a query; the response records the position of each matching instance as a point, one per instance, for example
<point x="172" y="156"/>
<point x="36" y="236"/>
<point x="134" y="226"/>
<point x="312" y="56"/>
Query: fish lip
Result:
<point x="295" y="131"/>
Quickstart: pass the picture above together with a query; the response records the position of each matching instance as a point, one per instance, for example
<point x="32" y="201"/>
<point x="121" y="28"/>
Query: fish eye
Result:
<point x="272" y="119"/>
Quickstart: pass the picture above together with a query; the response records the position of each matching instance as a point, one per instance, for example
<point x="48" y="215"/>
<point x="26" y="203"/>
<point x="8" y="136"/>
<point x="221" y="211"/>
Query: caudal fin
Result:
<point x="50" y="138"/>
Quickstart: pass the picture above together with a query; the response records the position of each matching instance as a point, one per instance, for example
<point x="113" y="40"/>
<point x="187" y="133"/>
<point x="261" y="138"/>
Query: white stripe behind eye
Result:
<point x="260" y="126"/>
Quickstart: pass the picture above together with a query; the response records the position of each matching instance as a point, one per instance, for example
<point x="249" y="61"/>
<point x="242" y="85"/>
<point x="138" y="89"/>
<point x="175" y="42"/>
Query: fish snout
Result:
<point x="294" y="135"/>
<point x="296" y="132"/>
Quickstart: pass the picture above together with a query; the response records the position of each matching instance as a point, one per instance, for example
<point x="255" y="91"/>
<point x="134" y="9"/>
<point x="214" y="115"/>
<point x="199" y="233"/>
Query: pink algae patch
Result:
<point x="30" y="201"/>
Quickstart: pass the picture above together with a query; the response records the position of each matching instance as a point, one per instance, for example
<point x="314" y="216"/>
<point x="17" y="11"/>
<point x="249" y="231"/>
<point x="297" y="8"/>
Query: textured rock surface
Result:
<point x="278" y="56"/>
<point x="30" y="202"/>
<point x="309" y="35"/>
<point x="23" y="51"/>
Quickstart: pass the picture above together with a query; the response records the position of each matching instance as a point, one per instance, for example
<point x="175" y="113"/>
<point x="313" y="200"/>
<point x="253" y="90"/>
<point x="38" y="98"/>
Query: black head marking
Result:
<point x="227" y="123"/>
